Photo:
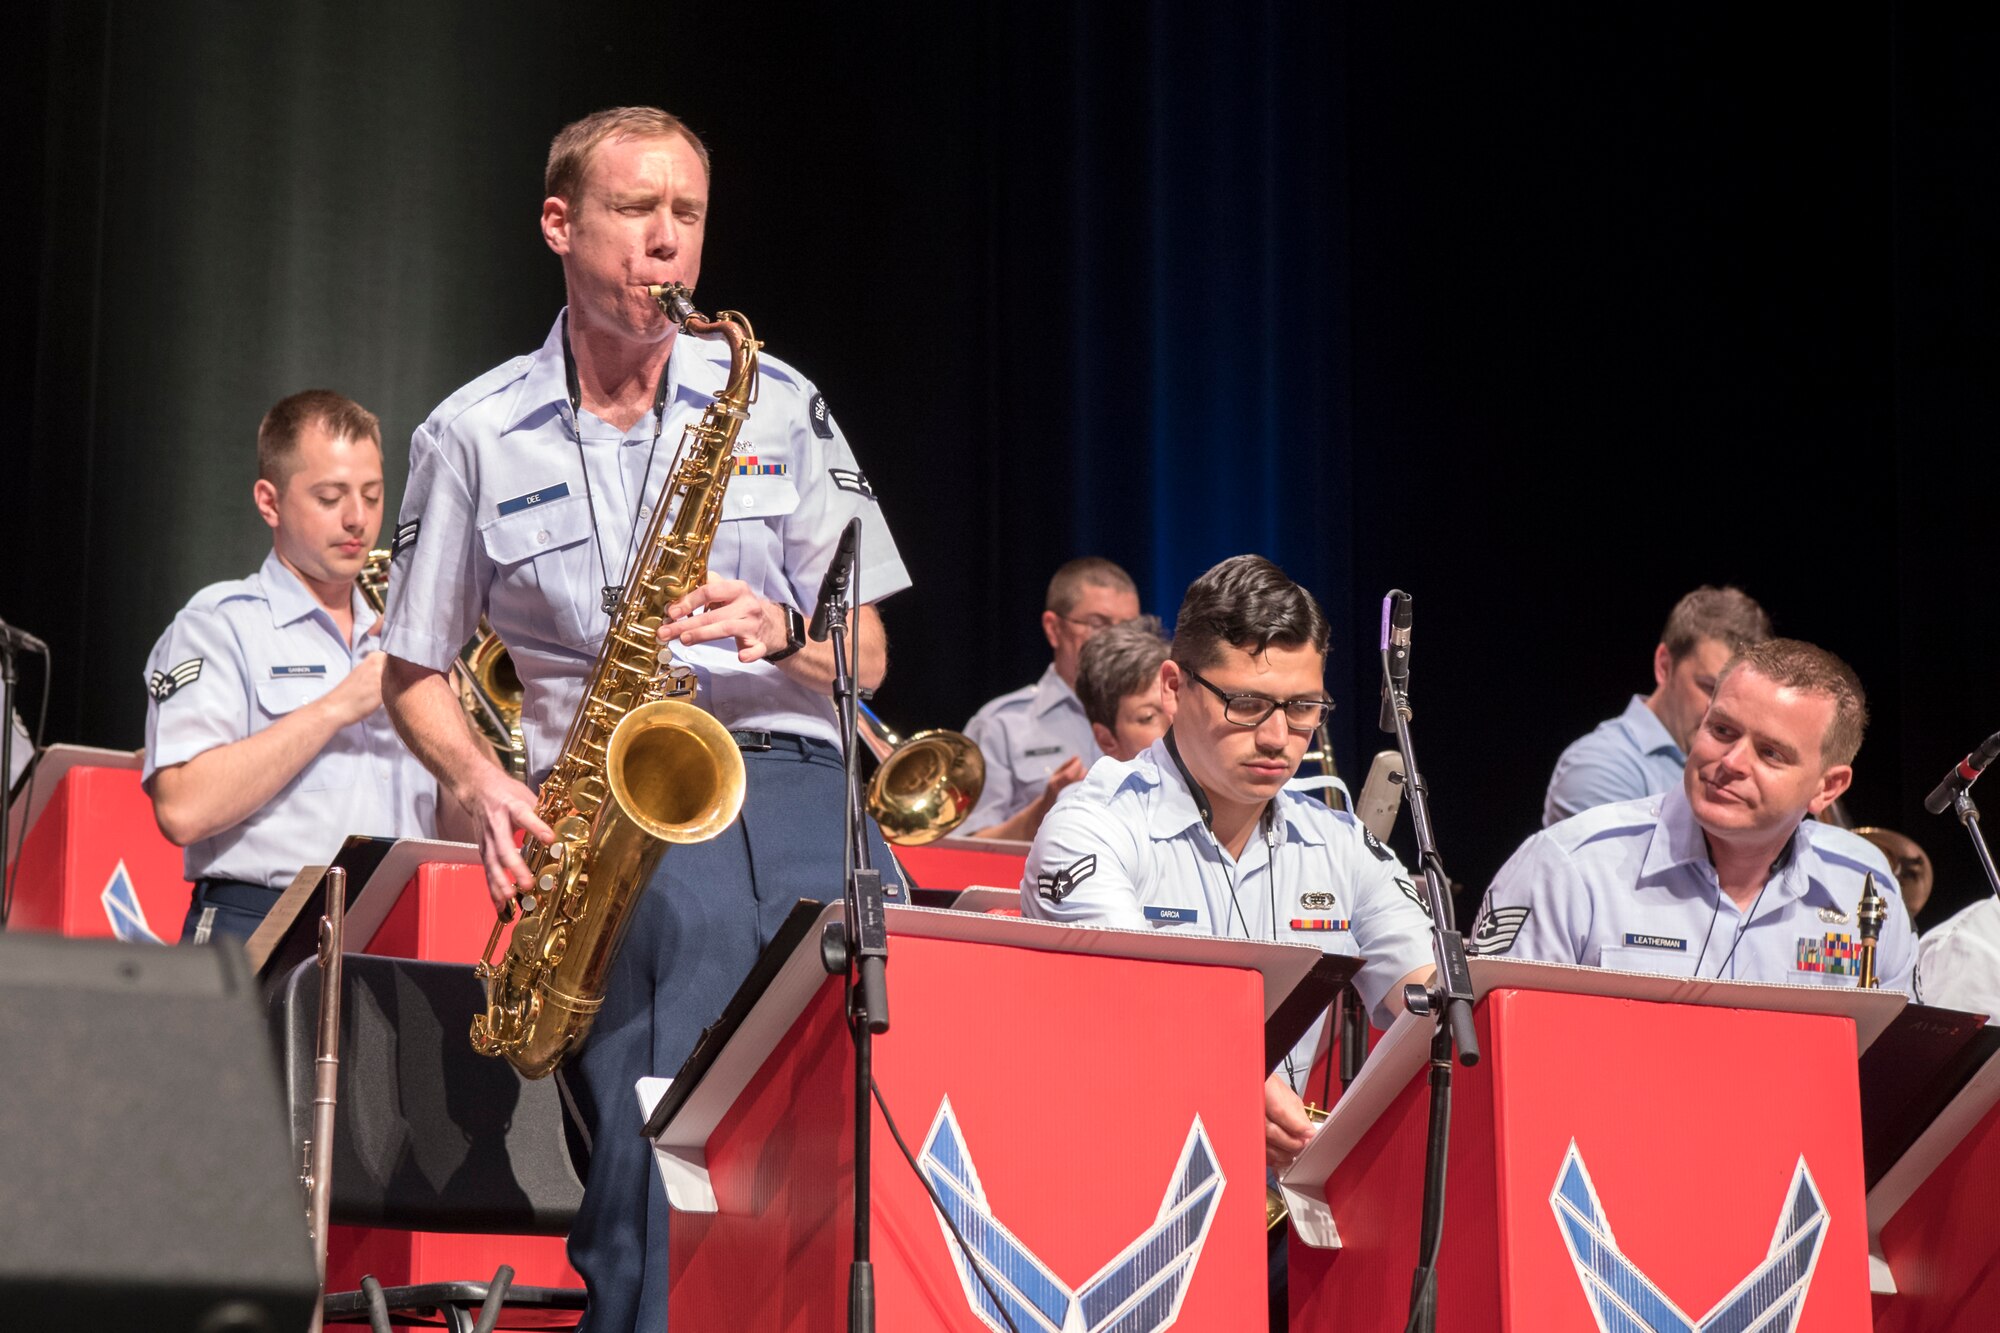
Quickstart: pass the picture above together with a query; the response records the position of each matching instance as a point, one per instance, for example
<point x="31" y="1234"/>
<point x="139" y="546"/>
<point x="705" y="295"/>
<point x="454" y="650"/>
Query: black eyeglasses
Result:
<point x="1091" y="623"/>
<point x="1248" y="710"/>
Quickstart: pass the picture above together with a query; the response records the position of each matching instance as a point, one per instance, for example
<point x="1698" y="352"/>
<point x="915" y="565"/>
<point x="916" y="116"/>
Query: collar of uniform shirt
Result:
<point x="1646" y="730"/>
<point x="1183" y="804"/>
<point x="290" y="600"/>
<point x="695" y="374"/>
<point x="1679" y="841"/>
<point x="1051" y="693"/>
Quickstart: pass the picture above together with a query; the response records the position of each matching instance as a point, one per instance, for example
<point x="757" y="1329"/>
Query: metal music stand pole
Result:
<point x="7" y="782"/>
<point x="1447" y="1000"/>
<point x="326" y="1079"/>
<point x="857" y="948"/>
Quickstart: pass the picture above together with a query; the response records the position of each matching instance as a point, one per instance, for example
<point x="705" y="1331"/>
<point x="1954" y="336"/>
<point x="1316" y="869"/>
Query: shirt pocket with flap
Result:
<point x="545" y="572"/>
<point x="282" y="694"/>
<point x="749" y="544"/>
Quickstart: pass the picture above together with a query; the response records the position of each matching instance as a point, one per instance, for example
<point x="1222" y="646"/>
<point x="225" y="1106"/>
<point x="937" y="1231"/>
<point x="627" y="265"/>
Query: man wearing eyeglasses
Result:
<point x="1199" y="835"/>
<point x="1037" y="740"/>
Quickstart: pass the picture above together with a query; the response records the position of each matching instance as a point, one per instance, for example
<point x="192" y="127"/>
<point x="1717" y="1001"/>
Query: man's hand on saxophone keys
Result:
<point x="727" y="609"/>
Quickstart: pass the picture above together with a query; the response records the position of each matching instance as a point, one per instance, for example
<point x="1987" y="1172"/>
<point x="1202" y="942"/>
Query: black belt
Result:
<point x="207" y="882"/>
<point x="776" y="740"/>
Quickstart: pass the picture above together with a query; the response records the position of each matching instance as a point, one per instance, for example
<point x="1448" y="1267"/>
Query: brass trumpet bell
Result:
<point x="923" y="787"/>
<point x="1911" y="864"/>
<point x="926" y="787"/>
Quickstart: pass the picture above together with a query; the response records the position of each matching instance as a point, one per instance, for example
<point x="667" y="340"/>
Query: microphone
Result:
<point x="19" y="640"/>
<point x="833" y="587"/>
<point x="1381" y="795"/>
<point x="1962" y="777"/>
<point x="1396" y="647"/>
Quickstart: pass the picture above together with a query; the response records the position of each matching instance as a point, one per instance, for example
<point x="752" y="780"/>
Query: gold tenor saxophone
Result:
<point x="641" y="767"/>
<point x="483" y="676"/>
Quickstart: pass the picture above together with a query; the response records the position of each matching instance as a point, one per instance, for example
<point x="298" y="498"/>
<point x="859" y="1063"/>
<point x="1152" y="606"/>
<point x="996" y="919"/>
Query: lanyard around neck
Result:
<point x="613" y="593"/>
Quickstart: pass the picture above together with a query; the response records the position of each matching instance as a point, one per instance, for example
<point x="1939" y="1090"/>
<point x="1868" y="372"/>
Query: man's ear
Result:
<point x="1663" y="666"/>
<point x="556" y="223"/>
<point x="266" y="497"/>
<point x="1831" y="784"/>
<point x="1106" y="740"/>
<point x="1172" y="681"/>
<point x="1050" y="621"/>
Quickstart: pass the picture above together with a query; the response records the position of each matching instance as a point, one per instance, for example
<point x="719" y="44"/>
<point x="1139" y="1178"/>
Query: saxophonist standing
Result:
<point x="527" y="489"/>
<point x="266" y="743"/>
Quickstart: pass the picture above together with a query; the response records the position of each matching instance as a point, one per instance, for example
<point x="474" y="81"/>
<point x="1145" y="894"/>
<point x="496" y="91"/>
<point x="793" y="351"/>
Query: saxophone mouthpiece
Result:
<point x="675" y="300"/>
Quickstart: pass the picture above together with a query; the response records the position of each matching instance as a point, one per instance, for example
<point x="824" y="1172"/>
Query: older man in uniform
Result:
<point x="1723" y="875"/>
<point x="1037" y="740"/>
<point x="528" y="490"/>
<point x="1642" y="750"/>
<point x="266" y="742"/>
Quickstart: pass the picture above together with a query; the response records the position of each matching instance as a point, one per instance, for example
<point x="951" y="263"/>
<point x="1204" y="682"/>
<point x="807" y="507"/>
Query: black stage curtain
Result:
<point x="1545" y="318"/>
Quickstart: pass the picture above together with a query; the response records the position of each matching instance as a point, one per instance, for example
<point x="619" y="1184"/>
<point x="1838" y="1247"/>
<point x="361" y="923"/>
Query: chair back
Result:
<point x="430" y="1136"/>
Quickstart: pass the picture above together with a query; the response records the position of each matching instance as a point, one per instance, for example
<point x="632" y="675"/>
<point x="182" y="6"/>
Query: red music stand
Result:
<point x="1633" y="1152"/>
<point x="1933" y="1245"/>
<point x="91" y="860"/>
<point x="1099" y="1132"/>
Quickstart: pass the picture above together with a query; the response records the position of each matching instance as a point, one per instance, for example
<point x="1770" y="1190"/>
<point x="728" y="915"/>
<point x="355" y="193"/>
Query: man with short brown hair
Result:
<point x="1724" y="875"/>
<point x="530" y="491"/>
<point x="266" y="743"/>
<point x="1640" y="752"/>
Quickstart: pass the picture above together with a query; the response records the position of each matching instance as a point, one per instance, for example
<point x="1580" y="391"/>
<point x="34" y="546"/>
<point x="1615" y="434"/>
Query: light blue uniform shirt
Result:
<point x="1128" y="847"/>
<point x="1631" y="886"/>
<point x="496" y="521"/>
<point x="237" y="658"/>
<point x="1025" y="736"/>
<point x="1622" y="759"/>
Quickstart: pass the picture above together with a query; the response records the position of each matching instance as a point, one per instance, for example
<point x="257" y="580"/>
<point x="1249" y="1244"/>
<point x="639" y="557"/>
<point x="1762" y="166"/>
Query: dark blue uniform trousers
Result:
<point x="696" y="931"/>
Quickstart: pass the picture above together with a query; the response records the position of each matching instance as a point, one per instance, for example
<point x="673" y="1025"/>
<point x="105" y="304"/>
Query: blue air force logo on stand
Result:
<point x="1140" y="1291"/>
<point x="1768" y="1300"/>
<point x="122" y="909"/>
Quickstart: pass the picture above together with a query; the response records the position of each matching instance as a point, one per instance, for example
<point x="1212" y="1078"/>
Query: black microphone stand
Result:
<point x="1968" y="815"/>
<point x="858" y="946"/>
<point x="1956" y="791"/>
<point x="1447" y="1000"/>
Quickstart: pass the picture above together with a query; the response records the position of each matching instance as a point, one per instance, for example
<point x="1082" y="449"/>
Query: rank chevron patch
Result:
<point x="1140" y="1291"/>
<point x="163" y="685"/>
<point x="1496" y="930"/>
<point x="1769" y="1299"/>
<point x="1060" y="884"/>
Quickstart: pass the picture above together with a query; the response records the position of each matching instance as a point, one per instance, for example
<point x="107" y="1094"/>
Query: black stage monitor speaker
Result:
<point x="146" y="1172"/>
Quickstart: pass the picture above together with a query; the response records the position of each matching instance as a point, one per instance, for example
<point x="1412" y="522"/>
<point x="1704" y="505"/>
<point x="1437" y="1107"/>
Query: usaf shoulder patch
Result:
<point x="1496" y="931"/>
<point x="1058" y="886"/>
<point x="1414" y="894"/>
<point x="822" y="421"/>
<point x="406" y="537"/>
<point x="1375" y="845"/>
<point x="850" y="479"/>
<point x="163" y="685"/>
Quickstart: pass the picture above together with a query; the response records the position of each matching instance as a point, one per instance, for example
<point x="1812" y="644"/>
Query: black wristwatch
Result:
<point x="795" y="636"/>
